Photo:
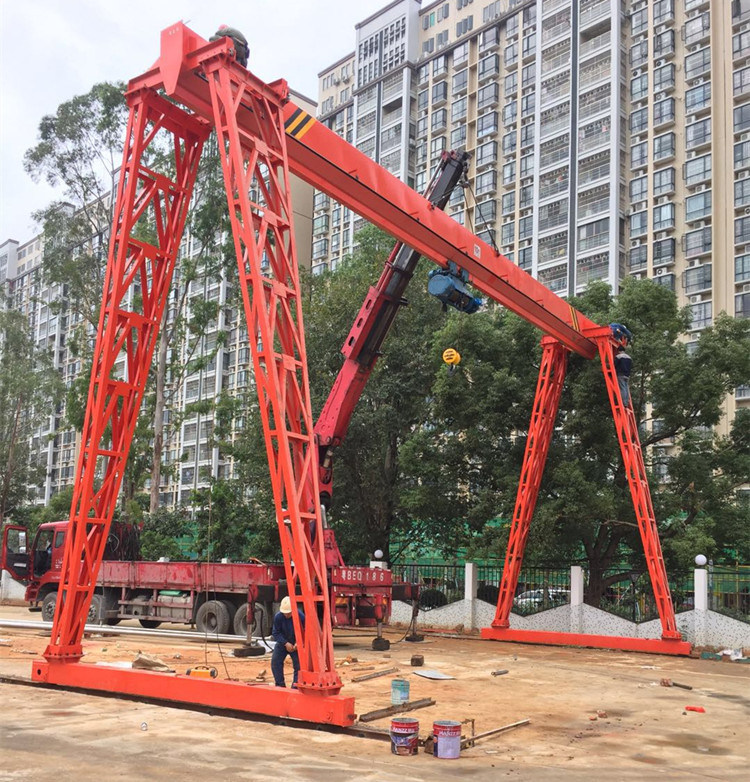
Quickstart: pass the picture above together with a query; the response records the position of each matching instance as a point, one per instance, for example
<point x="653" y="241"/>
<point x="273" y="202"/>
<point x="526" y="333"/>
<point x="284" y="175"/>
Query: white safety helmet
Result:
<point x="286" y="605"/>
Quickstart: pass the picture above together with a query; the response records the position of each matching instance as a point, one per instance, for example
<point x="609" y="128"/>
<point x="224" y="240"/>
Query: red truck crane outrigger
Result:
<point x="262" y="137"/>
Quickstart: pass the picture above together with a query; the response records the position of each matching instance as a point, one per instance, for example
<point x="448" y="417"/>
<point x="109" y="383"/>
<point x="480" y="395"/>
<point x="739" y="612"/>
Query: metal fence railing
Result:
<point x="538" y="589"/>
<point x="729" y="591"/>
<point x="631" y="596"/>
<point x="438" y="584"/>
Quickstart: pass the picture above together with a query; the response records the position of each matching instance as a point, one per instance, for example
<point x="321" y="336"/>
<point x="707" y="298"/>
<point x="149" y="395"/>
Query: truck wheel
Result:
<point x="240" y="621"/>
<point x="232" y="611"/>
<point x="96" y="610"/>
<point x="48" y="606"/>
<point x="149" y="624"/>
<point x="212" y="617"/>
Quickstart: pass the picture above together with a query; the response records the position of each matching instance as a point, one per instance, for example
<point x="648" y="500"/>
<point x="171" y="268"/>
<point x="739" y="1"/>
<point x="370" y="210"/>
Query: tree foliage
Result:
<point x="29" y="391"/>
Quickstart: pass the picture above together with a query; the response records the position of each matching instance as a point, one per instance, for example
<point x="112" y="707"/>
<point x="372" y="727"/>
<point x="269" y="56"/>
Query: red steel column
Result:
<point x="544" y="413"/>
<point x="632" y="456"/>
<point x="252" y="145"/>
<point x="139" y="273"/>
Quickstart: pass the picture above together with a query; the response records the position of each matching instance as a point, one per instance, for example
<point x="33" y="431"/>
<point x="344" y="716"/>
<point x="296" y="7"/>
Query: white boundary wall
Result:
<point x="700" y="626"/>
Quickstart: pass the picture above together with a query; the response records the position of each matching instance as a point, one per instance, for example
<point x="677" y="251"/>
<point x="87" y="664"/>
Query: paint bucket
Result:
<point x="399" y="691"/>
<point x="404" y="736"/>
<point x="447" y="739"/>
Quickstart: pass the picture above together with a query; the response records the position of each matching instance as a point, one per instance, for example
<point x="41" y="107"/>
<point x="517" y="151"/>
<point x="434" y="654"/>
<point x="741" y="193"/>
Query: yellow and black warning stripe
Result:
<point x="299" y="123"/>
<point x="574" y="318"/>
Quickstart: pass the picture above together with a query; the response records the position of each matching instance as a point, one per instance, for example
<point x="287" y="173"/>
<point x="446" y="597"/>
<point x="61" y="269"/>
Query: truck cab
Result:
<point x="36" y="566"/>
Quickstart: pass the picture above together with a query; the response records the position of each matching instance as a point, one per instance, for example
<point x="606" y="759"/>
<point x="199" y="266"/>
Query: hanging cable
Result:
<point x="478" y="210"/>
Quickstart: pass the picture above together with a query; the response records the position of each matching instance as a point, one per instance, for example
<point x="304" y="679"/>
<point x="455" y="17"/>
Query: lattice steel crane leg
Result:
<point x="543" y="415"/>
<point x="632" y="457"/>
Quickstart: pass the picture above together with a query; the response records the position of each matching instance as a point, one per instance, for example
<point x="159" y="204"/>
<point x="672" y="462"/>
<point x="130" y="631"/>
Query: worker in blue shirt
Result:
<point x="286" y="642"/>
<point x="623" y="363"/>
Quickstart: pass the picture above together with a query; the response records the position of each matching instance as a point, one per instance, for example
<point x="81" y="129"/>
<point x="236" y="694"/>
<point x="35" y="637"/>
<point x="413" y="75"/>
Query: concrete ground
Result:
<point x="642" y="731"/>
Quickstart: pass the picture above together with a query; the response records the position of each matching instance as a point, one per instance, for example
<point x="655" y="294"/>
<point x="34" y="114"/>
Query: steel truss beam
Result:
<point x="546" y="402"/>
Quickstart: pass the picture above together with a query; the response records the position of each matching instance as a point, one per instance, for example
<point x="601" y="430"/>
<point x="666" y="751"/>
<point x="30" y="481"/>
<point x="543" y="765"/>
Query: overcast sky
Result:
<point x="51" y="50"/>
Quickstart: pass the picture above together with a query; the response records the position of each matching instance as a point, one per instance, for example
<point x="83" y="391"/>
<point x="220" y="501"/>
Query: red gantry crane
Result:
<point x="196" y="87"/>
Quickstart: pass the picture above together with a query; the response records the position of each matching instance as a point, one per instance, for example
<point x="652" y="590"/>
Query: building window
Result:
<point x="742" y="305"/>
<point x="440" y="65"/>
<point x="509" y="143"/>
<point x="742" y="118"/>
<point x="664" y="181"/>
<point x="437" y="145"/>
<point x="741" y="45"/>
<point x="525" y="227"/>
<point x="664" y="217"/>
<point x="697" y="170"/>
<point x="742" y="192"/>
<point x="698" y="98"/>
<point x="464" y="26"/>
<point x="458" y="137"/>
<point x="639" y="21"/>
<point x="664" y="146"/>
<point x="487" y="124"/>
<point x="696" y="29"/>
<point x="507" y="234"/>
<point x="742" y="230"/>
<point x="664" y="111"/>
<point x="638" y="120"/>
<point x="486" y="182"/>
<point x="664" y="78"/>
<point x="664" y="251"/>
<point x="638" y="258"/>
<point x="440" y="92"/>
<point x="698" y="206"/>
<point x="487" y="96"/>
<point x="593" y="235"/>
<point x="639" y="54"/>
<point x="509" y="172"/>
<point x="510" y="56"/>
<point x="700" y="315"/>
<point x="698" y="63"/>
<point x="639" y="189"/>
<point x="639" y="87"/>
<point x="489" y="66"/>
<point x="528" y="75"/>
<point x="697" y="279"/>
<point x="528" y="104"/>
<point x="527" y="134"/>
<point x="461" y="54"/>
<point x="663" y="11"/>
<point x="742" y="268"/>
<point x="664" y="43"/>
<point x="487" y="153"/>
<point x="458" y="109"/>
<point x="639" y="155"/>
<point x="509" y="203"/>
<point x="638" y="224"/>
<point x="511" y="83"/>
<point x="439" y="120"/>
<point x="460" y="82"/>
<point x="698" y="134"/>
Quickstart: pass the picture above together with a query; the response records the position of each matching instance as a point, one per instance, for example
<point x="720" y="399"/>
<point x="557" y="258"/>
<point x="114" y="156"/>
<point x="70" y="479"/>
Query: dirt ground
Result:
<point x="642" y="731"/>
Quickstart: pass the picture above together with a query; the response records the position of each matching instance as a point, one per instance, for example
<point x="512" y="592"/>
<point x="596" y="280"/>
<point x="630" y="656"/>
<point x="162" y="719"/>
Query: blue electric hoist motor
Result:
<point x="449" y="285"/>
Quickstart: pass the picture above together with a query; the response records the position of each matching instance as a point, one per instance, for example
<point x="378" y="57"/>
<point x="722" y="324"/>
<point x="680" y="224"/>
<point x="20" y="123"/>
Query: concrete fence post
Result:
<point x="576" y="599"/>
<point x="700" y="600"/>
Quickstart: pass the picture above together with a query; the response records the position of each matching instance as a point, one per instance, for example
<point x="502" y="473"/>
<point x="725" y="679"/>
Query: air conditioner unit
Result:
<point x="637" y="72"/>
<point x="660" y="271"/>
<point x="695" y="299"/>
<point x="743" y="175"/>
<point x="346" y="78"/>
<point x="659" y="63"/>
<point x="744" y="136"/>
<point x="693" y="263"/>
<point x="662" y="28"/>
<point x="336" y="80"/>
<point x="746" y="288"/>
<point x="661" y="95"/>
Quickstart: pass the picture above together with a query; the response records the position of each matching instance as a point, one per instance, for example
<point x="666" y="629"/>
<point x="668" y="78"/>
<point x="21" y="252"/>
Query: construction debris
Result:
<point x="417" y="660"/>
<point x="374" y="675"/>
<point x="469" y="742"/>
<point x="398" y="709"/>
<point x="431" y="674"/>
<point x="698" y="709"/>
<point x="670" y="683"/>
<point x="500" y="673"/>
<point x="148" y="662"/>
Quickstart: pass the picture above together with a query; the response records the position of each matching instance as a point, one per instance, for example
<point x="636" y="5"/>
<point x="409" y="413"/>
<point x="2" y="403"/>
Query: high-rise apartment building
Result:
<point x="608" y="137"/>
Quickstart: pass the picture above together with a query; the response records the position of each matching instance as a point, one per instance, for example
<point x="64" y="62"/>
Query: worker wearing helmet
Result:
<point x="286" y="642"/>
<point x="623" y="363"/>
<point x="241" y="49"/>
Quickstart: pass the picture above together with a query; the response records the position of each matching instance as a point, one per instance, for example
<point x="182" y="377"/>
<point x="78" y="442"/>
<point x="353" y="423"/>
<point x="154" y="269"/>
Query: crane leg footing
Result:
<point x="214" y="693"/>
<point x="620" y="643"/>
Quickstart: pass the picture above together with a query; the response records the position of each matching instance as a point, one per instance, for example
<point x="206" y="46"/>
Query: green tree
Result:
<point x="29" y="389"/>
